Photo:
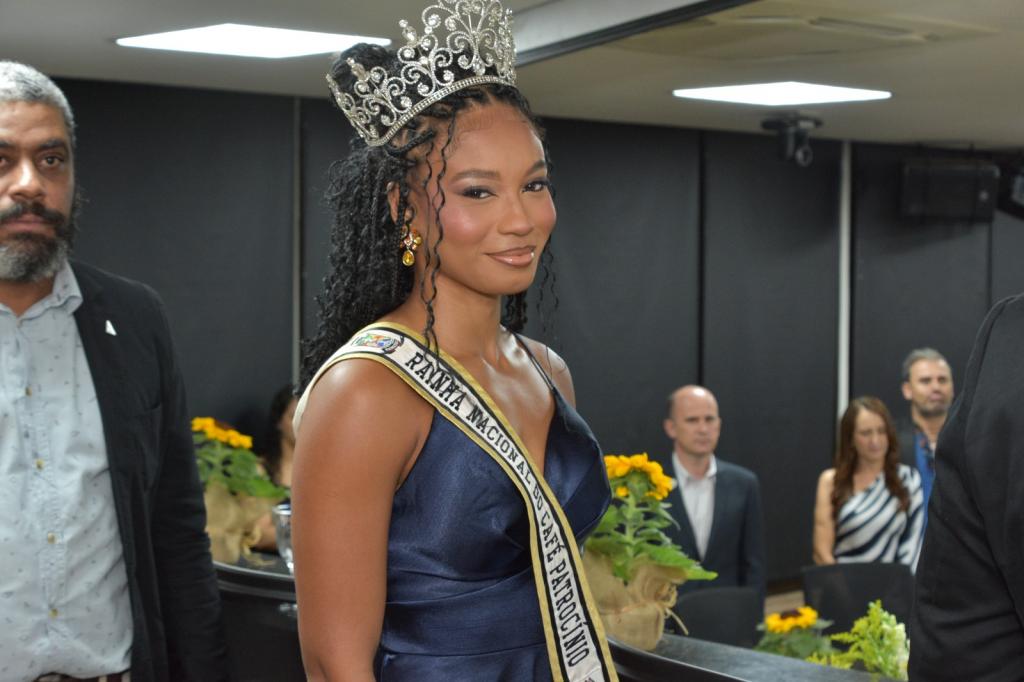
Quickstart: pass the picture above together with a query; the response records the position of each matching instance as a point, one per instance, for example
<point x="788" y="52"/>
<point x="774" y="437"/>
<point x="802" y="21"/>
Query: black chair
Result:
<point x="841" y="592"/>
<point x="728" y="615"/>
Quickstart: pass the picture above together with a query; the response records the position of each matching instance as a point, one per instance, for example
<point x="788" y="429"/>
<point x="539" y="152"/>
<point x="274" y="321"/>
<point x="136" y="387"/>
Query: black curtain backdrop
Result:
<point x="326" y="136"/>
<point x="770" y="320"/>
<point x="916" y="282"/>
<point x="680" y="257"/>
<point x="626" y="258"/>
<point x="189" y="191"/>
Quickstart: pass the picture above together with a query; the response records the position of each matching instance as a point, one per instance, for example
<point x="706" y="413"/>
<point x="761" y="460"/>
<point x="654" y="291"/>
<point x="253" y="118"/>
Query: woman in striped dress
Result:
<point x="869" y="506"/>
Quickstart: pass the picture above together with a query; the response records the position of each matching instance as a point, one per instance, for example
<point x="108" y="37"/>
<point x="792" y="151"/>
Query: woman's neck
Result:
<point x="466" y="323"/>
<point x="866" y="469"/>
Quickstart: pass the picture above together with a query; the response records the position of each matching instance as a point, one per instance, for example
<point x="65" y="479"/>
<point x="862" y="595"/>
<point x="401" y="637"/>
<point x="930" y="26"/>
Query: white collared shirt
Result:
<point x="64" y="604"/>
<point x="699" y="500"/>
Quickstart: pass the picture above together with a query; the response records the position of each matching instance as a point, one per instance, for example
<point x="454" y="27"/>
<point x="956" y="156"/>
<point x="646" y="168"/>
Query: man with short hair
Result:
<point x="928" y="387"/>
<point x="105" y="569"/>
<point x="716" y="504"/>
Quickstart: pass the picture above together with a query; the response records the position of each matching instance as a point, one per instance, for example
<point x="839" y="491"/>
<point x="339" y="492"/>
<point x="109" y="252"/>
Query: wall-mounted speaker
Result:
<point x="949" y="189"/>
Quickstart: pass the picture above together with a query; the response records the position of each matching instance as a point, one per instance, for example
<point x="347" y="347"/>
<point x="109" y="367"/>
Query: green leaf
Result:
<point x="611" y="518"/>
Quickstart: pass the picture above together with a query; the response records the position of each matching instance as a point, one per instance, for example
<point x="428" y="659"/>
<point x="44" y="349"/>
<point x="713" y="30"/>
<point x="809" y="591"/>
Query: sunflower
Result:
<point x="653" y="480"/>
<point x="214" y="430"/>
<point x="803" y="617"/>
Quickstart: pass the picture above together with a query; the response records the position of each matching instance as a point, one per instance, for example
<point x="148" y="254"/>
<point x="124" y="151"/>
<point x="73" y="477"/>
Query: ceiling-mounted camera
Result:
<point x="794" y="134"/>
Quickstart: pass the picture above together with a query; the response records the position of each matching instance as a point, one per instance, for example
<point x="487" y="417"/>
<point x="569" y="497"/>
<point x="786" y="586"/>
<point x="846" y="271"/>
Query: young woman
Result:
<point x="869" y="506"/>
<point x="442" y="478"/>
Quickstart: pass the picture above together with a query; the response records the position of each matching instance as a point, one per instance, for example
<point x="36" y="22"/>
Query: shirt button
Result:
<point x="40" y="464"/>
<point x="54" y="613"/>
<point x="51" y="538"/>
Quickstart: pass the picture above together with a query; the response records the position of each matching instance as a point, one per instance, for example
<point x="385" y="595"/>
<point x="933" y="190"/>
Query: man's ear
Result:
<point x="670" y="428"/>
<point x="907" y="393"/>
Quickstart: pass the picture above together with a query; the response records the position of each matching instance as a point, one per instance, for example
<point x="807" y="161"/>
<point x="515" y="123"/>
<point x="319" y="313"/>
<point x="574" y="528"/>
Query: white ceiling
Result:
<point x="953" y="65"/>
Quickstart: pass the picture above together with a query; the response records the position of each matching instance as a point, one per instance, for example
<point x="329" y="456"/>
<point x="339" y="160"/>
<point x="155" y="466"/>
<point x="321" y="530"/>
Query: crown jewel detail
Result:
<point x="476" y="35"/>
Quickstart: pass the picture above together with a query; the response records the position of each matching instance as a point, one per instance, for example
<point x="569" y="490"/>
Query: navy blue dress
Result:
<point x="461" y="599"/>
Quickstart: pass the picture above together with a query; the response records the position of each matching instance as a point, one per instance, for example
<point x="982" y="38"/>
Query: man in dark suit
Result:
<point x="928" y="389"/>
<point x="969" y="610"/>
<point x="716" y="504"/>
<point x="102" y="511"/>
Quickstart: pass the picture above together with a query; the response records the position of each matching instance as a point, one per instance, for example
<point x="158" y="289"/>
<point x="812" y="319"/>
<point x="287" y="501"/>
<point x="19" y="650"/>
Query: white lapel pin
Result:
<point x="110" y="329"/>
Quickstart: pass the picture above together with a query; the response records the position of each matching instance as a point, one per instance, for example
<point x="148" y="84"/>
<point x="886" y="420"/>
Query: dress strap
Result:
<point x="536" y="363"/>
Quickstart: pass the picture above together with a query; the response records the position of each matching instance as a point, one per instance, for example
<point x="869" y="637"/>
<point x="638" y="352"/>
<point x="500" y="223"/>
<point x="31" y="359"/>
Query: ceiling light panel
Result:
<point x="241" y="40"/>
<point x="785" y="93"/>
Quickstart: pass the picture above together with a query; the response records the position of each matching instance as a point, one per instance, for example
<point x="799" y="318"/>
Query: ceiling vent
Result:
<point x="775" y="30"/>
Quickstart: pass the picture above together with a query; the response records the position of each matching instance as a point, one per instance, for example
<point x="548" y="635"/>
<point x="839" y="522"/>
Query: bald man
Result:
<point x="717" y="504"/>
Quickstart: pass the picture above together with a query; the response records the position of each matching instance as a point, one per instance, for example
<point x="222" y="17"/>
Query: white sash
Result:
<point x="576" y="643"/>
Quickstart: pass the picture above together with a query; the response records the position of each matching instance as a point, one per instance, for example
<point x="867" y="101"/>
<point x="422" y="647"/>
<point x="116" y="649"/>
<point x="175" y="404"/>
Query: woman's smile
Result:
<point x="519" y="257"/>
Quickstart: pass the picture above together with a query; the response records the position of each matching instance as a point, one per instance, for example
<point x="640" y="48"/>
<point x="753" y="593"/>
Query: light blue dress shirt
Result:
<point x="64" y="604"/>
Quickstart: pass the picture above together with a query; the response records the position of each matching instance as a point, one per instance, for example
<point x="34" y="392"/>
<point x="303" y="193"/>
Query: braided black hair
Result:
<point x="366" y="279"/>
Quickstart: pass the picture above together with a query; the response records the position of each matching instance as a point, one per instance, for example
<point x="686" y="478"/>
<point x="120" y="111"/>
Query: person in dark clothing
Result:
<point x="103" y="516"/>
<point x="968" y="621"/>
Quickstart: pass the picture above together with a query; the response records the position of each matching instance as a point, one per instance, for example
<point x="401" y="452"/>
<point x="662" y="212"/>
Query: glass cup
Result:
<point x="282" y="514"/>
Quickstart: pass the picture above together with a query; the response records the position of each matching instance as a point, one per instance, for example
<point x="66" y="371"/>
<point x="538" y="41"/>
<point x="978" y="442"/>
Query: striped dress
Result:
<point x="872" y="527"/>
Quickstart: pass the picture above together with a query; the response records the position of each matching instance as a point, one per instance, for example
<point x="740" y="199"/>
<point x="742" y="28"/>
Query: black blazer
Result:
<point x="907" y="432"/>
<point x="176" y="618"/>
<point x="736" y="545"/>
<point x="969" y="610"/>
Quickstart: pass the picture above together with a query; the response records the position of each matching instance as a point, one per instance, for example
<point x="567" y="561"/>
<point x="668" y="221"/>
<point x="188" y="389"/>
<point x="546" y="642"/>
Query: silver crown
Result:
<point x="475" y="34"/>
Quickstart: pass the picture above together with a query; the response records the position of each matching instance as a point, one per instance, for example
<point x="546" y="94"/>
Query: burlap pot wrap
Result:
<point x="635" y="613"/>
<point x="231" y="521"/>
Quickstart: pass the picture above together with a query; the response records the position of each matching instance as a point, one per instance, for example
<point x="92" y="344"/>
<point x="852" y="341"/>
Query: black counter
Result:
<point x="695" y="660"/>
<point x="260" y="616"/>
<point x="258" y="598"/>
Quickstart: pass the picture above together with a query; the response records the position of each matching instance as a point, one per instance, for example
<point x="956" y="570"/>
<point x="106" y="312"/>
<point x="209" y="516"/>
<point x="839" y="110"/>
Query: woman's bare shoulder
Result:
<point x="360" y="384"/>
<point x="554" y="365"/>
<point x="827" y="478"/>
<point x="360" y="401"/>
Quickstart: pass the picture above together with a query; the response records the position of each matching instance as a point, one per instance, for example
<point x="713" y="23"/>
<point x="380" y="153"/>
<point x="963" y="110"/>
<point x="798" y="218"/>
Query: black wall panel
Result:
<point x="1007" y="256"/>
<point x="189" y="191"/>
<point x="325" y="139"/>
<point x="770" y="324"/>
<point x="916" y="283"/>
<point x="626" y="258"/>
<point x="192" y="192"/>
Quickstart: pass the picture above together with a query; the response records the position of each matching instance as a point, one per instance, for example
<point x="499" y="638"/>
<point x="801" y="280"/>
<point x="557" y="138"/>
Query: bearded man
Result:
<point x="105" y="569"/>
<point x="928" y="388"/>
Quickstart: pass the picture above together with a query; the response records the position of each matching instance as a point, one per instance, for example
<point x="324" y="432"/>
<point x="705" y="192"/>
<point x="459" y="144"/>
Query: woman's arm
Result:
<point x="824" y="524"/>
<point x="360" y="432"/>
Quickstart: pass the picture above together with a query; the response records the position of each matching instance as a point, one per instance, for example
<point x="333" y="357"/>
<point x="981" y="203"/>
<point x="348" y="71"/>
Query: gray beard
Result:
<point x="33" y="258"/>
<point x="927" y="413"/>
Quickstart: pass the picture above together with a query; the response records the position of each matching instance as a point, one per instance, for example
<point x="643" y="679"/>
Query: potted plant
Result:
<point x="634" y="568"/>
<point x="236" y="489"/>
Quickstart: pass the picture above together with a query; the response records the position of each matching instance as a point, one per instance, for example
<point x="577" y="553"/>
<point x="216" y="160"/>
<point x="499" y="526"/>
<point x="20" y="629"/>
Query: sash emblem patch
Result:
<point x="385" y="343"/>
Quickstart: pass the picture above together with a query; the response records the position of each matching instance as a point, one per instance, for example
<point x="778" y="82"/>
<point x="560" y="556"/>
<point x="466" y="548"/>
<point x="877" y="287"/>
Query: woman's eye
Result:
<point x="476" y="193"/>
<point x="538" y="185"/>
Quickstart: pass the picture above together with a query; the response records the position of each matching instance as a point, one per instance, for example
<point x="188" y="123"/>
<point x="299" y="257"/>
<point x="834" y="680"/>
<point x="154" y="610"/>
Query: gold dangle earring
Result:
<point x="411" y="241"/>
